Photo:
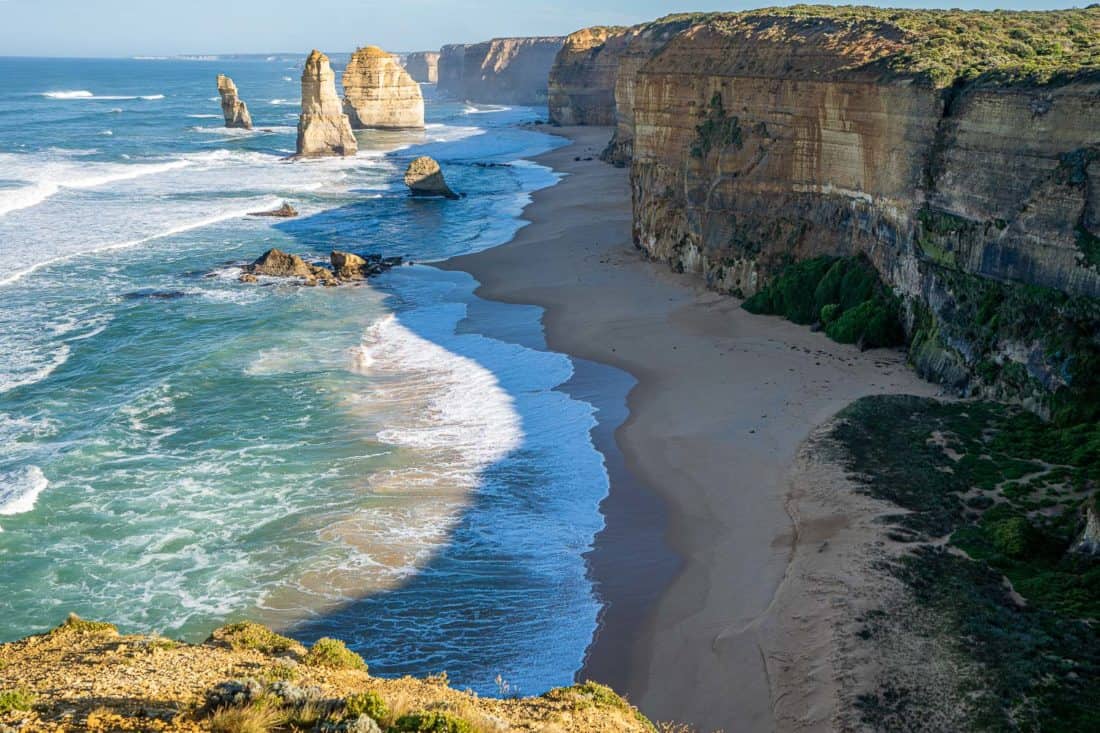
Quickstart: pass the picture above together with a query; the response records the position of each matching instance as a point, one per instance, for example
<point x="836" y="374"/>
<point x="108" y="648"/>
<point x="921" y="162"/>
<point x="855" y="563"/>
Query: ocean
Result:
<point x="394" y="464"/>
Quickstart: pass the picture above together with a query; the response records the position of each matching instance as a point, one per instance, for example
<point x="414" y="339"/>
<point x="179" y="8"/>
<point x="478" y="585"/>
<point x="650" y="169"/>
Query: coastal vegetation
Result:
<point x="952" y="46"/>
<point x="991" y="502"/>
<point x="84" y="675"/>
<point x="843" y="295"/>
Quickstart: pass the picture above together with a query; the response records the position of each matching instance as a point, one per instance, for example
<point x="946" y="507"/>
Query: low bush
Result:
<point x="431" y="722"/>
<point x="367" y="703"/>
<point x="250" y="635"/>
<point x="15" y="700"/>
<point x="334" y="654"/>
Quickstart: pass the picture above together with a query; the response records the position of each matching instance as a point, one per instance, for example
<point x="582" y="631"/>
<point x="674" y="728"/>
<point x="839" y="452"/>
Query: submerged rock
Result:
<point x="424" y="177"/>
<point x="235" y="110"/>
<point x="323" y="128"/>
<point x="286" y="211"/>
<point x="379" y="93"/>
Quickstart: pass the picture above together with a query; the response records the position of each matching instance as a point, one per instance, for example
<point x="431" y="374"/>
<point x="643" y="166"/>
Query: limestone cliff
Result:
<point x="592" y="80"/>
<point x="323" y="128"/>
<point x="582" y="80"/>
<point x="449" y="70"/>
<point x="235" y="110"/>
<point x="772" y="136"/>
<point x="379" y="93"/>
<point x="500" y="71"/>
<point x="423" y="66"/>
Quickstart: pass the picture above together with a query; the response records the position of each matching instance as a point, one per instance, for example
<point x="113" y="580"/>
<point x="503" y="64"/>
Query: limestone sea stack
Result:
<point x="379" y="93"/>
<point x="235" y="111"/>
<point x="423" y="66"/>
<point x="323" y="128"/>
<point x="424" y="177"/>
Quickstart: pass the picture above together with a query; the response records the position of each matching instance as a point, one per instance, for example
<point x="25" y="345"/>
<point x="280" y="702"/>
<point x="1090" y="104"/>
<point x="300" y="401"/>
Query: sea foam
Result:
<point x="19" y="489"/>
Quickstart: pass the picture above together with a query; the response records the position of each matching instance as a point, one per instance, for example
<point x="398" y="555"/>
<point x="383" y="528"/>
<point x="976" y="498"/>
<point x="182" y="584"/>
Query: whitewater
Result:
<point x="178" y="450"/>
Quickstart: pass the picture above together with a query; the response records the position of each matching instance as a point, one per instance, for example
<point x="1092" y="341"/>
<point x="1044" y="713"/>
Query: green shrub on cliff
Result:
<point x="431" y="722"/>
<point x="367" y="703"/>
<point x="844" y="294"/>
<point x="15" y="700"/>
<point x="334" y="654"/>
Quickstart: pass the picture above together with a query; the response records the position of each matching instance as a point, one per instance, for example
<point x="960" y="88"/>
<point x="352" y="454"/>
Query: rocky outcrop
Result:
<point x="423" y="66"/>
<point x="276" y="263"/>
<point x="323" y="128"/>
<point x="235" y="110"/>
<point x="286" y="211"/>
<point x="424" y="177"/>
<point x="773" y="136"/>
<point x="1088" y="542"/>
<point x="71" y="678"/>
<point x="449" y="71"/>
<point x="379" y="93"/>
<point x="345" y="267"/>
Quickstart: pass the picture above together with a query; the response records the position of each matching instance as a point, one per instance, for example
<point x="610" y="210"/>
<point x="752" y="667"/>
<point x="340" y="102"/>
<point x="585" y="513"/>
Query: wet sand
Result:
<point x="723" y="401"/>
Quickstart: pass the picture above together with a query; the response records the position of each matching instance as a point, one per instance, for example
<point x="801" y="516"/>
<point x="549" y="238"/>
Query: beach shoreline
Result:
<point x="723" y="401"/>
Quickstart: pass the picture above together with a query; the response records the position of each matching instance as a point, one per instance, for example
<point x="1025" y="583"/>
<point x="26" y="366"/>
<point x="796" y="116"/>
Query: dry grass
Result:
<point x="258" y="718"/>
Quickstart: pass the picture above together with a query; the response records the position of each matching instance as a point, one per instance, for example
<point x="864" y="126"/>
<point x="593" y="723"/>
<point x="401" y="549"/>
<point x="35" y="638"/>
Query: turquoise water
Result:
<point x="178" y="449"/>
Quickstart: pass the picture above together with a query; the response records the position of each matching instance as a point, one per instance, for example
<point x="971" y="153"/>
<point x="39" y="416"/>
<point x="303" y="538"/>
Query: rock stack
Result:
<point x="235" y="111"/>
<point x="423" y="66"/>
<point x="379" y="93"/>
<point x="323" y="128"/>
<point x="424" y="177"/>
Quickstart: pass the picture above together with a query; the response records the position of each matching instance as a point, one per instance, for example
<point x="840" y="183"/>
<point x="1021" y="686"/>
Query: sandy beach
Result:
<point x="723" y="401"/>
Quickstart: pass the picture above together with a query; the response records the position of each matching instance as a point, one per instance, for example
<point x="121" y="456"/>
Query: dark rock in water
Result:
<point x="286" y="211"/>
<point x="424" y="177"/>
<point x="154" y="295"/>
<point x="493" y="165"/>
<point x="348" y="266"/>
<point x="345" y="267"/>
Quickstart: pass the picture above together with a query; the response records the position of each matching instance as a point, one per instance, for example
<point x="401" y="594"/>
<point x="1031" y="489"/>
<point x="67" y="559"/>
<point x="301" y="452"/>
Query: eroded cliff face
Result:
<point x="762" y="140"/>
<point x="423" y="66"/>
<point x="323" y="128"/>
<point x="449" y="70"/>
<point x="233" y="107"/>
<point x="582" y="79"/>
<point x="592" y="80"/>
<point x="379" y="93"/>
<point x="500" y="71"/>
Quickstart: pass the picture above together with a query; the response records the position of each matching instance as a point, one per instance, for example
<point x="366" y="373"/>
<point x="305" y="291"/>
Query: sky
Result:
<point x="170" y="27"/>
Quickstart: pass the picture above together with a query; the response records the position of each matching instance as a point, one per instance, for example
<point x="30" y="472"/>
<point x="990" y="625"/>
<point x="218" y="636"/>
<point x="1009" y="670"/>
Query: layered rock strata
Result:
<point x="592" y="80"/>
<point x="423" y="66"/>
<point x="509" y="70"/>
<point x="379" y="93"/>
<point x="424" y="177"/>
<point x="762" y="138"/>
<point x="323" y="128"/>
<point x="234" y="109"/>
<point x="449" y="70"/>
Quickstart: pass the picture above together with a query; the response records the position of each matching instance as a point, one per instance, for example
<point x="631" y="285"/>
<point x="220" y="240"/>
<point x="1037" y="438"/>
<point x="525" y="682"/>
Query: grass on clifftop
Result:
<point x="1006" y="491"/>
<point x="948" y="46"/>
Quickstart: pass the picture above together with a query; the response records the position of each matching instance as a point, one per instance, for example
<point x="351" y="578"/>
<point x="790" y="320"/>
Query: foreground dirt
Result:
<point x="85" y="676"/>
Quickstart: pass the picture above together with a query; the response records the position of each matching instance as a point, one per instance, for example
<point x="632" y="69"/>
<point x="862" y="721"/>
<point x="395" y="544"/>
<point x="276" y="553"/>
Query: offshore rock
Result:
<point x="323" y="128"/>
<point x="424" y="177"/>
<point x="235" y="111"/>
<point x="379" y="93"/>
<point x="286" y="211"/>
<point x="423" y="66"/>
<point x="276" y="263"/>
